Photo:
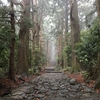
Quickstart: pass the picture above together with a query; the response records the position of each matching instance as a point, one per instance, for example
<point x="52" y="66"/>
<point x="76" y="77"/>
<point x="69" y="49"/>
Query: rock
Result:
<point x="72" y="82"/>
<point x="17" y="97"/>
<point x="37" y="88"/>
<point x="46" y="83"/>
<point x="71" y="95"/>
<point x="62" y="87"/>
<point x="52" y="86"/>
<point x="46" y="87"/>
<point x="23" y="89"/>
<point x="30" y="98"/>
<point x="43" y="90"/>
<point x="55" y="88"/>
<point x="66" y="83"/>
<point x="17" y="93"/>
<point x="88" y="90"/>
<point x="86" y="95"/>
<point x="39" y="95"/>
<point x="62" y="94"/>
<point x="29" y="90"/>
<point x="76" y="87"/>
<point x="26" y="84"/>
<point x="23" y="95"/>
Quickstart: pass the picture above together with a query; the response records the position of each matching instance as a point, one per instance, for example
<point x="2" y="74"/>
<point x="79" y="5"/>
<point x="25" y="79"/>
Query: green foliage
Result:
<point x="68" y="51"/>
<point x="85" y="74"/>
<point x="36" y="60"/>
<point x="26" y="22"/>
<point x="4" y="45"/>
<point x="89" y="47"/>
<point x="67" y="69"/>
<point x="4" y="10"/>
<point x="1" y="72"/>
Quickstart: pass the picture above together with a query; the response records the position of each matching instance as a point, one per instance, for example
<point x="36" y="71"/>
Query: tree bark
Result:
<point x="23" y="50"/>
<point x="66" y="31"/>
<point x="20" y="61"/>
<point x="12" y="45"/>
<point x="27" y="31"/>
<point x="98" y="9"/>
<point x="75" y="31"/>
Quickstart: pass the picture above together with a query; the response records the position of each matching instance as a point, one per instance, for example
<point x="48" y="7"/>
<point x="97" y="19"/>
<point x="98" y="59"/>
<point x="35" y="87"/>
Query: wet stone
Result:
<point x="29" y="91"/>
<point x="17" y="97"/>
<point x="66" y="83"/>
<point x="88" y="90"/>
<point x="62" y="94"/>
<point x="47" y="87"/>
<point x="23" y="95"/>
<point x="76" y="87"/>
<point x="42" y="99"/>
<point x="39" y="96"/>
<point x="55" y="88"/>
<point x="46" y="84"/>
<point x="63" y="91"/>
<point x="43" y="90"/>
<point x="29" y="98"/>
<point x="71" y="95"/>
<point x="72" y="82"/>
<point x="37" y="88"/>
<point x="17" y="93"/>
<point x="62" y="87"/>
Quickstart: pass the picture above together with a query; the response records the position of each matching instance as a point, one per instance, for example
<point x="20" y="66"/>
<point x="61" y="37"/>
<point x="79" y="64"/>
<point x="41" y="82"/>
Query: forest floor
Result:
<point x="49" y="85"/>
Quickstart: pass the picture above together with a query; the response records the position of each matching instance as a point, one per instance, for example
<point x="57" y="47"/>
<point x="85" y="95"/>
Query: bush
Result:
<point x="4" y="45"/>
<point x="85" y="74"/>
<point x="68" y="51"/>
<point x="89" y="47"/>
<point x="36" y="61"/>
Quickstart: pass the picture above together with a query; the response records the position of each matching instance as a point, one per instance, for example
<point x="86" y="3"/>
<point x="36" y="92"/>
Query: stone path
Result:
<point x="53" y="86"/>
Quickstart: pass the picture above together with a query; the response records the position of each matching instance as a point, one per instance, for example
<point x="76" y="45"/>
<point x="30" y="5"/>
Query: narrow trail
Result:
<point x="53" y="85"/>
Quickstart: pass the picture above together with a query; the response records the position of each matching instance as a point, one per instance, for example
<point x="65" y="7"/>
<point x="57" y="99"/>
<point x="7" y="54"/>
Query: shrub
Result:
<point x="89" y="47"/>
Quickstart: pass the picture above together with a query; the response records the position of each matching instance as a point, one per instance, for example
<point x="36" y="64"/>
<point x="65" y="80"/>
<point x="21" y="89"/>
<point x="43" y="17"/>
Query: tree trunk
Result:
<point x="96" y="74"/>
<point x="23" y="50"/>
<point x="12" y="45"/>
<point x="26" y="48"/>
<point x="60" y="51"/>
<point x="20" y="61"/>
<point x="75" y="33"/>
<point x="98" y="9"/>
<point x="66" y="31"/>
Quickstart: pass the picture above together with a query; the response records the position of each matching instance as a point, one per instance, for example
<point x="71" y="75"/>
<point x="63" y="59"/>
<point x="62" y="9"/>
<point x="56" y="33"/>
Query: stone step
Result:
<point x="53" y="71"/>
<point x="50" y="69"/>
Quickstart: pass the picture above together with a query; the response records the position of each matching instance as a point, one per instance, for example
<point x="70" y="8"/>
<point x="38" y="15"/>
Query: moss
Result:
<point x="75" y="68"/>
